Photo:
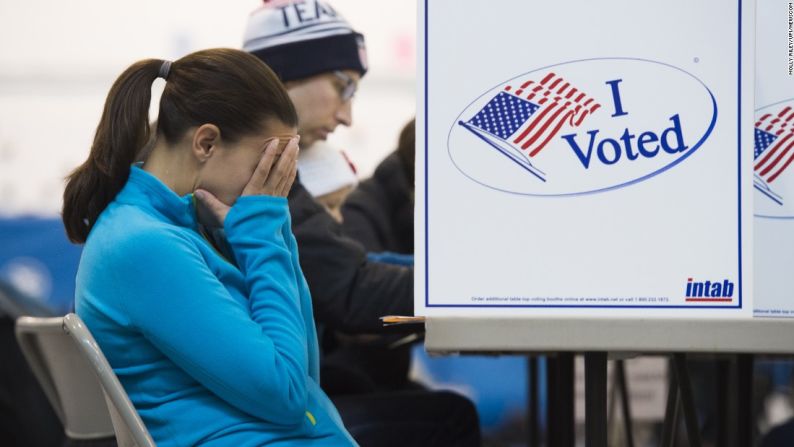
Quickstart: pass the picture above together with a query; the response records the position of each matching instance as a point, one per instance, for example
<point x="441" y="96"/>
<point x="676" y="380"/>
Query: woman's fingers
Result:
<point x="283" y="170"/>
<point x="292" y="177"/>
<point x="288" y="180"/>
<point x="262" y="171"/>
<point x="275" y="171"/>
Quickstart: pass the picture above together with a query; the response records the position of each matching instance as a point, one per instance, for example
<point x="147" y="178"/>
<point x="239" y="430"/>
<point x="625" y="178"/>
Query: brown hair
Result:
<point x="406" y="149"/>
<point x="229" y="88"/>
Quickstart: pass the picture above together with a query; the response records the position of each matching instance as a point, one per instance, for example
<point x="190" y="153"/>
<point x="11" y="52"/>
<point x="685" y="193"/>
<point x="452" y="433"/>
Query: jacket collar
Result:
<point x="149" y="193"/>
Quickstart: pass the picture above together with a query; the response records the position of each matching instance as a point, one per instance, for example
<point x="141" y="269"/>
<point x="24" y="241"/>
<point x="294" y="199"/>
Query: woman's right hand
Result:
<point x="273" y="176"/>
<point x="275" y="173"/>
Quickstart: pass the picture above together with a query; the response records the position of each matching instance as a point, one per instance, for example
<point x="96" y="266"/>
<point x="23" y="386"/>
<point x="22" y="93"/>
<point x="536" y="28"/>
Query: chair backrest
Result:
<point x="128" y="426"/>
<point x="66" y="377"/>
<point x="77" y="379"/>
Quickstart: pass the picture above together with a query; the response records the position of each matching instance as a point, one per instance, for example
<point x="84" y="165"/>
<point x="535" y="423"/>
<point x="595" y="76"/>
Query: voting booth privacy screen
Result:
<point x="589" y="158"/>
<point x="773" y="156"/>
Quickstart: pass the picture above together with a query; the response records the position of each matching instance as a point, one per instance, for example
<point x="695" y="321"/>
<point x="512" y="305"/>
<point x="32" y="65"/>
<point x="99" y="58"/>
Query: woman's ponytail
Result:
<point x="229" y="88"/>
<point x="122" y="131"/>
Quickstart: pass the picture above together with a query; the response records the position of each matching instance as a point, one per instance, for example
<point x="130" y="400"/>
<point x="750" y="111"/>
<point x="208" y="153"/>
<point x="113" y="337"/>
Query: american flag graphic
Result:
<point x="774" y="149"/>
<point x="528" y="116"/>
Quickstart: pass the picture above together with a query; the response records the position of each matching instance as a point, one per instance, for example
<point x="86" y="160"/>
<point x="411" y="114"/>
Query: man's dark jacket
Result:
<point x="349" y="293"/>
<point x="379" y="213"/>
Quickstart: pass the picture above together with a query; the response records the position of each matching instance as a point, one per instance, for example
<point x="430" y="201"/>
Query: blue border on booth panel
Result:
<point x="427" y="197"/>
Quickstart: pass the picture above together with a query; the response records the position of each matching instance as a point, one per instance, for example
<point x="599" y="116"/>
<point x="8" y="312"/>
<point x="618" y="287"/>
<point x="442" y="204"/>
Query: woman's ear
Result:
<point x="205" y="139"/>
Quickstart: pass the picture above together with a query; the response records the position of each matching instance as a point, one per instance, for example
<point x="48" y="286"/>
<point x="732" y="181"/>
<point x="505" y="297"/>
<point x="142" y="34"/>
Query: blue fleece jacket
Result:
<point x="211" y="353"/>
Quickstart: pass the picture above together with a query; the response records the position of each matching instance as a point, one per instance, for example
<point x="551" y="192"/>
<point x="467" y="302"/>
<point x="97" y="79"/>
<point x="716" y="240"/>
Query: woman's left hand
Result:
<point x="273" y="176"/>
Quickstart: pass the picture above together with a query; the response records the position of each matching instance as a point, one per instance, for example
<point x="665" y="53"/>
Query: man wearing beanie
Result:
<point x="321" y="59"/>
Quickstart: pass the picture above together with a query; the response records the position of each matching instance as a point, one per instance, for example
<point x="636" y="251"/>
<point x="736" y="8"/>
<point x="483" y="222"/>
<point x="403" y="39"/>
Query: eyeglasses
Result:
<point x="349" y="85"/>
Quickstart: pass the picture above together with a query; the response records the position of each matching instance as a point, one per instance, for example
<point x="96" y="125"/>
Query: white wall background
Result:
<point x="58" y="60"/>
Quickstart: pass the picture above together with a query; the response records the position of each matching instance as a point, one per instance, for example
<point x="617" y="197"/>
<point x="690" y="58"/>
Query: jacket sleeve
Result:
<point x="252" y="354"/>
<point x="349" y="292"/>
<point x="305" y="302"/>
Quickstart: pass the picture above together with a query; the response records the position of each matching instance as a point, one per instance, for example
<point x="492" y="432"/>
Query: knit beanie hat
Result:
<point x="303" y="38"/>
<point x="324" y="169"/>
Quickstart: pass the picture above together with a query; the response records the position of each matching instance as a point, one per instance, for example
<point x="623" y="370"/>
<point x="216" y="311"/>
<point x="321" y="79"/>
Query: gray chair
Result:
<point x="78" y="380"/>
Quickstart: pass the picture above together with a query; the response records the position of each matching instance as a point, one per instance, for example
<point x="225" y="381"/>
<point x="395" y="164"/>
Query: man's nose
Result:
<point x="344" y="114"/>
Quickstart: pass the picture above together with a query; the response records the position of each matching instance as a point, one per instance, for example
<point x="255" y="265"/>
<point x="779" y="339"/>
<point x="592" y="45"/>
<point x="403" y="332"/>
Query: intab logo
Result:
<point x="773" y="151"/>
<point x="582" y="127"/>
<point x="709" y="291"/>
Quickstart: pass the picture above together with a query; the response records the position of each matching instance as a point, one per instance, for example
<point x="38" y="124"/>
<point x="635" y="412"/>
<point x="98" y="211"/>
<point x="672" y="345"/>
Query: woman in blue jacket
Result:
<point x="212" y="350"/>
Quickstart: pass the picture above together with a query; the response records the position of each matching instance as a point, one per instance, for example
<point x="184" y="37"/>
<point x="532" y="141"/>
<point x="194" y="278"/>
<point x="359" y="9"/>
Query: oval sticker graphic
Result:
<point x="773" y="157"/>
<point x="582" y="127"/>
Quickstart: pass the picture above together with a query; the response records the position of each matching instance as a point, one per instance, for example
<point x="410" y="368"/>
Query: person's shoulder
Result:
<point x="369" y="193"/>
<point x="125" y="232"/>
<point x="392" y="175"/>
<point x="391" y="166"/>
